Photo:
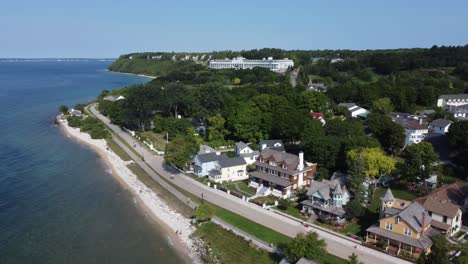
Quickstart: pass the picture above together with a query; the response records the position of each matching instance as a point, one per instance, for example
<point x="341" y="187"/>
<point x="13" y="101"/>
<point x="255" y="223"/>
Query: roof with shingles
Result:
<point x="440" y="122"/>
<point x="226" y="162"/>
<point x="445" y="200"/>
<point x="454" y="96"/>
<point x="422" y="242"/>
<point x="270" y="178"/>
<point x="388" y="196"/>
<point x="325" y="188"/>
<point x="281" y="157"/>
<point x="413" y="215"/>
<point x="207" y="157"/>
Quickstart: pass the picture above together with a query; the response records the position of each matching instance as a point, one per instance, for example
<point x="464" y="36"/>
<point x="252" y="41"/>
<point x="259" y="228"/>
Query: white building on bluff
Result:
<point x="242" y="63"/>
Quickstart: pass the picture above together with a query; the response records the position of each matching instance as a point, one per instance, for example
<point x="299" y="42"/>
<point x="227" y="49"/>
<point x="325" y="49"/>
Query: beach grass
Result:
<point x="118" y="150"/>
<point x="230" y="248"/>
<point x="164" y="194"/>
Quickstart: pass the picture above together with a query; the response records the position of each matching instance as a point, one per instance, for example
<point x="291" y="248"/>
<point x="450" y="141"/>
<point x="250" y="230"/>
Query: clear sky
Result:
<point x="108" y="28"/>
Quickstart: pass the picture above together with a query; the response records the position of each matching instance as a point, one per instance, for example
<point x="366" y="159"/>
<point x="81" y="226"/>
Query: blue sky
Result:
<point x="104" y="28"/>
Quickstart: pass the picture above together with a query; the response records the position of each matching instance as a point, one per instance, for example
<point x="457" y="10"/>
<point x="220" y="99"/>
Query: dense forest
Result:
<point x="251" y="105"/>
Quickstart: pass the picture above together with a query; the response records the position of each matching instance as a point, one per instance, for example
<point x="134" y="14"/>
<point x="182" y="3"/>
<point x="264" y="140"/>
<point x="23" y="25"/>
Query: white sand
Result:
<point x="154" y="205"/>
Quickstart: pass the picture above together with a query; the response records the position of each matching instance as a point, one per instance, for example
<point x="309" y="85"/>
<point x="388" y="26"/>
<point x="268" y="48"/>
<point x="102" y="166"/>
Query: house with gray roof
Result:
<point x="356" y="111"/>
<point x="219" y="167"/>
<point x="326" y="197"/>
<point x="404" y="227"/>
<point x="204" y="163"/>
<point x="280" y="173"/>
<point x="440" y="126"/>
<point x="271" y="144"/>
<point x="245" y="151"/>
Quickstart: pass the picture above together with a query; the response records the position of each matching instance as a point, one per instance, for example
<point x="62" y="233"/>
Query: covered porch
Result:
<point x="396" y="244"/>
<point x="277" y="186"/>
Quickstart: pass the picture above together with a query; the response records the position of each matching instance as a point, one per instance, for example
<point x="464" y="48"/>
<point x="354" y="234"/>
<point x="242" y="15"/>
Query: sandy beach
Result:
<point x="153" y="206"/>
<point x="141" y="75"/>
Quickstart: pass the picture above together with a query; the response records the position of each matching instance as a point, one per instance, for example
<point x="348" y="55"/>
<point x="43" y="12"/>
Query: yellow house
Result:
<point x="404" y="227"/>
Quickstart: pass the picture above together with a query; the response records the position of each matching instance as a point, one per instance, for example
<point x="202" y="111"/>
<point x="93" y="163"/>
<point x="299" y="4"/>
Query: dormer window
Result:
<point x="398" y="219"/>
<point x="284" y="166"/>
<point x="272" y="163"/>
<point x="261" y="160"/>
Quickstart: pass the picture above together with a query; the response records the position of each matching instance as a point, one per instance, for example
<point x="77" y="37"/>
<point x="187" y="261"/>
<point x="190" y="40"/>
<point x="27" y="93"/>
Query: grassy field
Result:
<point x="117" y="150"/>
<point x="242" y="185"/>
<point x="158" y="140"/>
<point x="229" y="248"/>
<point x="293" y="210"/>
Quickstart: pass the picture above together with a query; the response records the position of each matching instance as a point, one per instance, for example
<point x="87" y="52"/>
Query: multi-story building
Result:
<point x="403" y="227"/>
<point x="243" y="150"/>
<point x="457" y="104"/>
<point x="280" y="173"/>
<point x="415" y="130"/>
<point x="219" y="167"/>
<point x="445" y="205"/>
<point x="440" y="126"/>
<point x="242" y="63"/>
<point x="326" y="197"/>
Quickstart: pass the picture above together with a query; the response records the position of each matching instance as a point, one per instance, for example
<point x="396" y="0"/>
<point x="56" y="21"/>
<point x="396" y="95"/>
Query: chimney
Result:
<point x="423" y="221"/>
<point x="300" y="166"/>
<point x="263" y="147"/>
<point x="420" y="121"/>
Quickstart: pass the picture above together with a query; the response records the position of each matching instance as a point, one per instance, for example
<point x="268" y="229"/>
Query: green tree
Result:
<point x="458" y="140"/>
<point x="353" y="259"/>
<point x="180" y="150"/>
<point x="421" y="161"/>
<point x="383" y="106"/>
<point x="236" y="81"/>
<point x="305" y="245"/>
<point x="375" y="164"/>
<point x="354" y="208"/>
<point x="203" y="212"/>
<point x="216" y="130"/>
<point x="439" y="251"/>
<point x="390" y="134"/>
<point x="63" y="109"/>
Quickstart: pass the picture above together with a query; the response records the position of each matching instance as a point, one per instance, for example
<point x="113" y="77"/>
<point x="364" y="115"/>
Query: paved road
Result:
<point x="335" y="245"/>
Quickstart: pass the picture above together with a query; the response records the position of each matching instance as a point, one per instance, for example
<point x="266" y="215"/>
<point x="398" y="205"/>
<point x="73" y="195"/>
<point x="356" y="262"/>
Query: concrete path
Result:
<point x="335" y="244"/>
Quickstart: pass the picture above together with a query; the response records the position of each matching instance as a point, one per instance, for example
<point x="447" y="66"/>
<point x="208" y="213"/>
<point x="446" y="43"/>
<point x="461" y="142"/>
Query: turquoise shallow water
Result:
<point x="58" y="203"/>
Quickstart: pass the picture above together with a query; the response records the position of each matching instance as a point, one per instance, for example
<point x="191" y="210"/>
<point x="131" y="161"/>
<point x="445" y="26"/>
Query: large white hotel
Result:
<point x="242" y="63"/>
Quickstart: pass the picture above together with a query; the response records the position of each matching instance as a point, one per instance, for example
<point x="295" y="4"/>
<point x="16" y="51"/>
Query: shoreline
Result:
<point x="152" y="205"/>
<point x="135" y="74"/>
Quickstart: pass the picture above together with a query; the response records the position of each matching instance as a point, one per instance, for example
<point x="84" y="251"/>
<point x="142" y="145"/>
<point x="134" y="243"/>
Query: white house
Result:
<point x="243" y="150"/>
<point x="445" y="205"/>
<point x="74" y="112"/>
<point x="440" y="126"/>
<point x="356" y="111"/>
<point x="229" y="169"/>
<point x="415" y="130"/>
<point x="326" y="197"/>
<point x="204" y="163"/>
<point x="452" y="100"/>
<point x="242" y="63"/>
<point x="271" y="144"/>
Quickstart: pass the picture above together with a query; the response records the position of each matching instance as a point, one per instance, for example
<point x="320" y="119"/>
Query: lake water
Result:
<point x="58" y="203"/>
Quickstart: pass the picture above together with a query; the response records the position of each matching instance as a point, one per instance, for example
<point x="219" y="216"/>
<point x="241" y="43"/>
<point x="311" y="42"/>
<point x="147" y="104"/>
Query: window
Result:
<point x="272" y="163"/>
<point x="398" y="219"/>
<point x="430" y="213"/>
<point x="261" y="160"/>
<point x="407" y="231"/>
<point x="284" y="166"/>
<point x="445" y="219"/>
<point x="388" y="226"/>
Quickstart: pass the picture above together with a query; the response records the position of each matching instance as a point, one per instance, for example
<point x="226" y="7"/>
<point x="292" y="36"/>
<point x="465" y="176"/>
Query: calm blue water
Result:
<point x="57" y="202"/>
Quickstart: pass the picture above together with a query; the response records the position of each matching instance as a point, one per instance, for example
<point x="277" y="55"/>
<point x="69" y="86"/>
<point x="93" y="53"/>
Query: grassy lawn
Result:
<point x="243" y="187"/>
<point x="117" y="149"/>
<point x="158" y="140"/>
<point x="229" y="248"/>
<point x="292" y="210"/>
<point x="261" y="232"/>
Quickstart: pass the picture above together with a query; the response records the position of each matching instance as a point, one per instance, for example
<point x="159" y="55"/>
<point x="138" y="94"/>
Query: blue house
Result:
<point x="204" y="163"/>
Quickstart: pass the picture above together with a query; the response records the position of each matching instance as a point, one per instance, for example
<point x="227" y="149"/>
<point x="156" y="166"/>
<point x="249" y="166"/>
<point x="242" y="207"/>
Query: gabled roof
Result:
<point x="317" y="115"/>
<point x="440" y="122"/>
<point x="272" y="144"/>
<point x="325" y="188"/>
<point x="281" y="157"/>
<point x="241" y="145"/>
<point x="445" y="200"/>
<point x="388" y="196"/>
<point x="407" y="122"/>
<point x="207" y="157"/>
<point x="206" y="149"/>
<point x="226" y="162"/>
<point x="413" y="214"/>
